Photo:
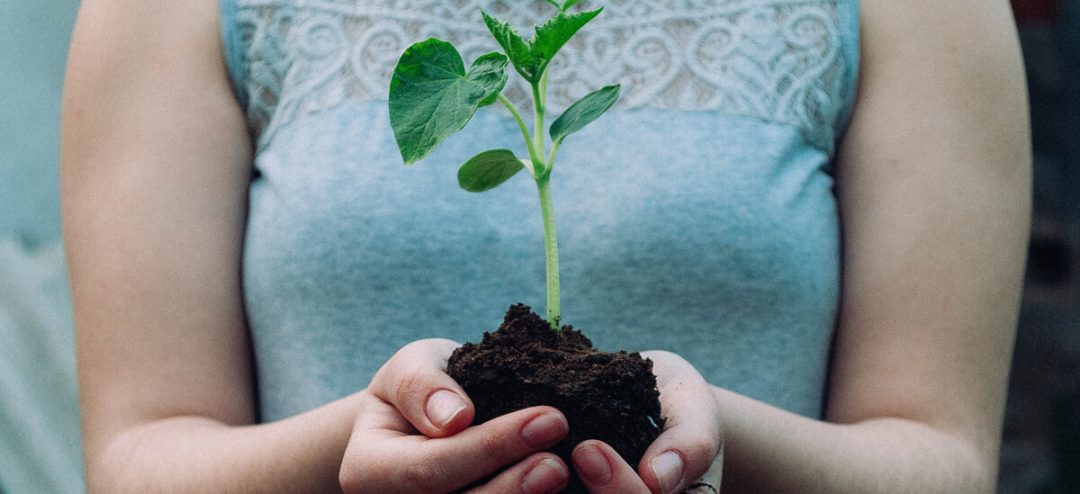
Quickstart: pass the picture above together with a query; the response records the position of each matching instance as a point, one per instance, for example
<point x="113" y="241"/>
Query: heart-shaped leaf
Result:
<point x="583" y="112"/>
<point x="488" y="169"/>
<point x="432" y="97"/>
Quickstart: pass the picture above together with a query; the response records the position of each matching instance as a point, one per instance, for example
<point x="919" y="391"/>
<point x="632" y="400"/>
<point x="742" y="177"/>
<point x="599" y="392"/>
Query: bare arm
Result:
<point x="156" y="163"/>
<point x="934" y="181"/>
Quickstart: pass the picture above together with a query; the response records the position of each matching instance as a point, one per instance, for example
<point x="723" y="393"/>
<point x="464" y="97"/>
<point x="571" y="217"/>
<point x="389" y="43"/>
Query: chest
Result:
<point x="784" y="61"/>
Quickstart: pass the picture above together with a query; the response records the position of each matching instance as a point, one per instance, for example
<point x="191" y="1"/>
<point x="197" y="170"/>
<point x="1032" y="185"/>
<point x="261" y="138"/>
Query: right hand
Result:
<point x="412" y="435"/>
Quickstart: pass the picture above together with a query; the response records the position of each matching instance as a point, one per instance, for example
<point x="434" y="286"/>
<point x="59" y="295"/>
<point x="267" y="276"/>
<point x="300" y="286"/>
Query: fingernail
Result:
<point x="593" y="466"/>
<point x="547" y="476"/>
<point x="668" y="469"/>
<point x="443" y="406"/>
<point x="543" y="430"/>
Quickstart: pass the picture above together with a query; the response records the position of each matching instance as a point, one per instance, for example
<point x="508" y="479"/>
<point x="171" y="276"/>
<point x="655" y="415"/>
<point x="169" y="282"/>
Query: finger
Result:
<point x="691" y="442"/>
<point x="415" y="382"/>
<point x="541" y="473"/>
<point x="708" y="485"/>
<point x="389" y="461"/>
<point x="380" y="417"/>
<point x="603" y="471"/>
<point x="710" y="482"/>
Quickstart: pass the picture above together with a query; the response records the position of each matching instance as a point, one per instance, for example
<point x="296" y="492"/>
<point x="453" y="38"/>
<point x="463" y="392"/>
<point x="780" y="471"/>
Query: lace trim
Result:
<point x="777" y="60"/>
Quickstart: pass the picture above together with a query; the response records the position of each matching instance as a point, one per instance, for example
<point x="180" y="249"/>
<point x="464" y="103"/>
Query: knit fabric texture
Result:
<point x="696" y="216"/>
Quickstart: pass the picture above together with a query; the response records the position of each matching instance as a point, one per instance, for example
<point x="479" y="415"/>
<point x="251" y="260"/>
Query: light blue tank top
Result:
<point x="698" y="216"/>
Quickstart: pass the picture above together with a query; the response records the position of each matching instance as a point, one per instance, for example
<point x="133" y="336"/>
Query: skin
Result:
<point x="155" y="166"/>
<point x="933" y="183"/>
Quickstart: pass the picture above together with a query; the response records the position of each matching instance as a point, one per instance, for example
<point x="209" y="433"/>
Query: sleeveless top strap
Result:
<point x="233" y="50"/>
<point x="849" y="21"/>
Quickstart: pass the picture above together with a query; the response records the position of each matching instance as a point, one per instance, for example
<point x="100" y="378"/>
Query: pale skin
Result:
<point x="933" y="183"/>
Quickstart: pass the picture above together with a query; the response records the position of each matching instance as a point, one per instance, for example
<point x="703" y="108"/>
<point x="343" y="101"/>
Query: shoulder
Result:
<point x="143" y="66"/>
<point x="898" y="21"/>
<point x="948" y="71"/>
<point x="955" y="42"/>
<point x="126" y="39"/>
<point x="151" y="17"/>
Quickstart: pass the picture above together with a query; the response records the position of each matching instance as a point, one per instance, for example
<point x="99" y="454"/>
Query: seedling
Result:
<point x="432" y="97"/>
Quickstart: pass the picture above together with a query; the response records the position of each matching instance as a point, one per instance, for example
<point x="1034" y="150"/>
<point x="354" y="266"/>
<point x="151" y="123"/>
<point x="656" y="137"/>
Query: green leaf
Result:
<point x="553" y="34"/>
<point x="432" y="97"/>
<point x="514" y="45"/>
<point x="583" y="112"/>
<point x="530" y="58"/>
<point x="488" y="169"/>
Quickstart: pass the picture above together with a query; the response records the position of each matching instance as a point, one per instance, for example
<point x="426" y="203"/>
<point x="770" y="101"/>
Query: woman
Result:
<point x="227" y="167"/>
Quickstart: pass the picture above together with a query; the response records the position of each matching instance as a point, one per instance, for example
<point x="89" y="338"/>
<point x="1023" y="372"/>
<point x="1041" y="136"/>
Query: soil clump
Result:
<point x="607" y="396"/>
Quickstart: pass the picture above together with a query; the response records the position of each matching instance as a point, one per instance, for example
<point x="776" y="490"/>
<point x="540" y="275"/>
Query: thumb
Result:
<point x="415" y="382"/>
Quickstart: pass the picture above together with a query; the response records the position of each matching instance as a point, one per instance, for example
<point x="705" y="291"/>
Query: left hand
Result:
<point x="404" y="440"/>
<point x="688" y="451"/>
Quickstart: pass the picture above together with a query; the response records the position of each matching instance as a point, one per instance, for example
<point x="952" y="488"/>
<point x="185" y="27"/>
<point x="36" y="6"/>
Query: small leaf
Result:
<point x="584" y="111"/>
<point x="490" y="68"/>
<point x="514" y="45"/>
<point x="553" y="34"/>
<point x="432" y="97"/>
<point x="488" y="169"/>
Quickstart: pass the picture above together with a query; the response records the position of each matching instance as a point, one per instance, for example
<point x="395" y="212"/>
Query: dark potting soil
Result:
<point x="607" y="396"/>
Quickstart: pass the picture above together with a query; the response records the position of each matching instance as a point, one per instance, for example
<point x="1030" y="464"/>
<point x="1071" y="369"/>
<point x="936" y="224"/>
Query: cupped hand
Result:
<point x="412" y="435"/>
<point x="688" y="452"/>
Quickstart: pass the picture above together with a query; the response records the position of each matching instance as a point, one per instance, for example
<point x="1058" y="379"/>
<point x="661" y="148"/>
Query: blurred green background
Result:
<point x="34" y="36"/>
<point x="39" y="427"/>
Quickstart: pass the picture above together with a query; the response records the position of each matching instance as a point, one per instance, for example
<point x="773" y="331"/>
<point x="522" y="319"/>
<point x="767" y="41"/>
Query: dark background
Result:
<point x="1041" y="452"/>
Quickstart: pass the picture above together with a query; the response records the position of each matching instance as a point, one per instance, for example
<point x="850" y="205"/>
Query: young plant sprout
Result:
<point x="432" y="96"/>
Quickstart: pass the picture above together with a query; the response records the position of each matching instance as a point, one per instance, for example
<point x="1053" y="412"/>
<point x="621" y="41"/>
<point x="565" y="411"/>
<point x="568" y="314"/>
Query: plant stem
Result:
<point x="534" y="155"/>
<point x="538" y="122"/>
<point x="541" y="171"/>
<point x="554" y="149"/>
<point x="551" y="252"/>
<point x="547" y="212"/>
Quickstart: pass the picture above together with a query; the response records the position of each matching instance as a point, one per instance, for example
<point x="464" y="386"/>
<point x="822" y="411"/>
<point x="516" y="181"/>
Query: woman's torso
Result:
<point x="698" y="216"/>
